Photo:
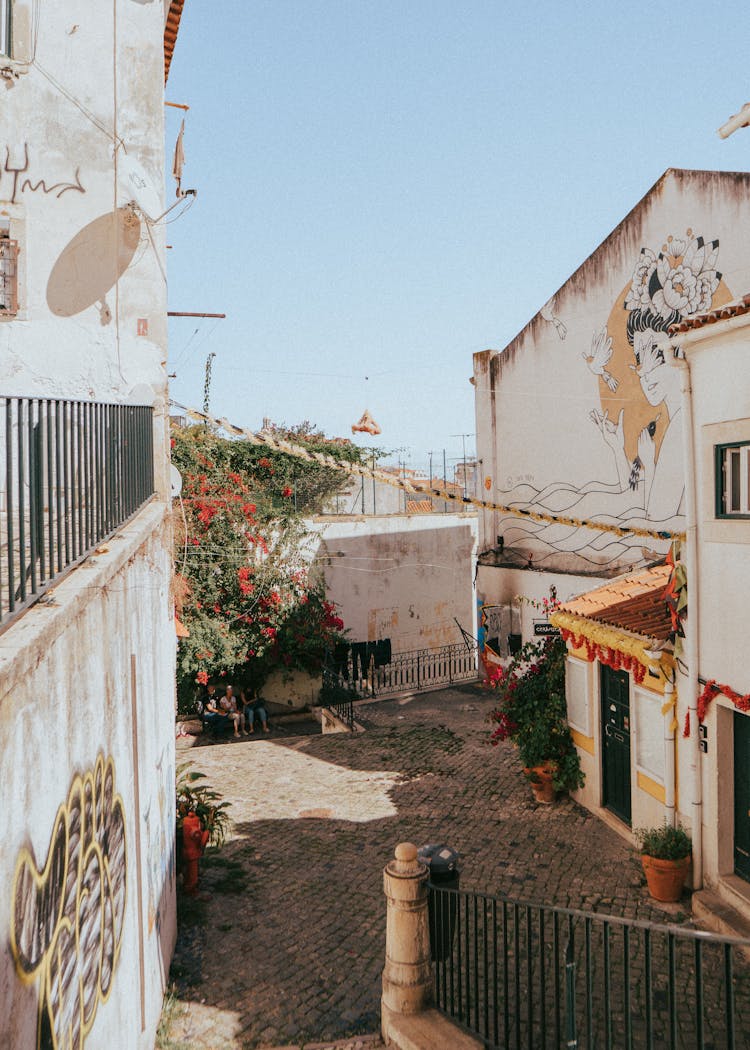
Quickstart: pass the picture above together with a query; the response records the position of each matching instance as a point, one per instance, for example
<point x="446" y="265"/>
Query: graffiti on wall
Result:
<point x="68" y="915"/>
<point x="16" y="166"/>
<point x="637" y="416"/>
<point x="159" y="820"/>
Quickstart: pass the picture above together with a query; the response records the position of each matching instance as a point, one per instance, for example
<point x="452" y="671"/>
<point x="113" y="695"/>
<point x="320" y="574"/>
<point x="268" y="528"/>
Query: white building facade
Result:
<point x="86" y="620"/>
<point x="578" y="417"/>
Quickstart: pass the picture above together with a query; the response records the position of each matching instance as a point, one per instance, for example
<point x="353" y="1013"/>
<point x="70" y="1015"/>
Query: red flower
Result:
<point x="202" y="678"/>
<point x="286" y="491"/>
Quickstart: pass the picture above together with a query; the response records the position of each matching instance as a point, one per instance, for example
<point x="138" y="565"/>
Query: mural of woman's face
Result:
<point x="656" y="376"/>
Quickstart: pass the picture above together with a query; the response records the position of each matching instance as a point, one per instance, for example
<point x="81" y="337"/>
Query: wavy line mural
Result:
<point x="637" y="418"/>
<point x="67" y="918"/>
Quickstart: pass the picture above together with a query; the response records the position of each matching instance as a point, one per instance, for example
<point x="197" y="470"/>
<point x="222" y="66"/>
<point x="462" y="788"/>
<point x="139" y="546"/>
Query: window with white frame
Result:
<point x="733" y="480"/>
<point x="8" y="272"/>
<point x="577" y="695"/>
<point x="649" y="733"/>
<point x="5" y="27"/>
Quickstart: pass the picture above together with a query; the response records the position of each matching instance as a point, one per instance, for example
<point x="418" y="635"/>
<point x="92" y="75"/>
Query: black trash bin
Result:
<point x="442" y="862"/>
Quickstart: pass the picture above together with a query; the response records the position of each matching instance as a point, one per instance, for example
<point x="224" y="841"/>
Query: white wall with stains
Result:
<point x="81" y="123"/>
<point x="402" y="577"/>
<point x="87" y="675"/>
<point x="579" y="416"/>
<point x="88" y="868"/>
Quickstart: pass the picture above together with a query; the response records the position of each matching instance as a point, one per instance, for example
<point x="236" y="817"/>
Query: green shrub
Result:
<point x="665" y="842"/>
<point x="532" y="710"/>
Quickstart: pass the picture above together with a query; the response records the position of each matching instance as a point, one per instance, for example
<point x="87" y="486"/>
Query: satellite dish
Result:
<point x="175" y="480"/>
<point x="138" y="186"/>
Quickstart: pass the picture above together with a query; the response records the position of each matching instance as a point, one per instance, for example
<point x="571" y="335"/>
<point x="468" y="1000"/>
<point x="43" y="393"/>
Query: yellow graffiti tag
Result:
<point x="67" y="918"/>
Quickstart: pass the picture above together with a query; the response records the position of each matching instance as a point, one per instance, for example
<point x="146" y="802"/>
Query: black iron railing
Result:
<point x="521" y="975"/>
<point x="71" y="473"/>
<point x="344" y="711"/>
<point x="412" y="671"/>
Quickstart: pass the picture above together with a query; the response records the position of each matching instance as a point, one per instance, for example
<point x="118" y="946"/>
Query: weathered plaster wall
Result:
<point x="87" y="824"/>
<point x="401" y="577"/>
<point x="87" y="676"/>
<point x="92" y="287"/>
<point x="541" y="402"/>
<point x="721" y="414"/>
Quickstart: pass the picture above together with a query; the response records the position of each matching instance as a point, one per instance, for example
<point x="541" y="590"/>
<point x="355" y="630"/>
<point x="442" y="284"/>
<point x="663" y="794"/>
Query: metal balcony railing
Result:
<point x="413" y="671"/>
<point x="71" y="473"/>
<point x="528" y="977"/>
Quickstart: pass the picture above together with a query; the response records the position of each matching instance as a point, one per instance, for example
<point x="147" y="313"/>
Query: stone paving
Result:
<point x="295" y="958"/>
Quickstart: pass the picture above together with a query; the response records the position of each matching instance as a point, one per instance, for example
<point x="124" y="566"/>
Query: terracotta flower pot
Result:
<point x="540" y="778"/>
<point x="665" y="878"/>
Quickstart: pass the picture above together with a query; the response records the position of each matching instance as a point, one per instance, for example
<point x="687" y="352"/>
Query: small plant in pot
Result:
<point x="532" y="713"/>
<point x="202" y="820"/>
<point x="665" y="855"/>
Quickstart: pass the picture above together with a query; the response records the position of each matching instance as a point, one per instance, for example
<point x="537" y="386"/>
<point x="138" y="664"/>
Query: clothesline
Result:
<point x="415" y="487"/>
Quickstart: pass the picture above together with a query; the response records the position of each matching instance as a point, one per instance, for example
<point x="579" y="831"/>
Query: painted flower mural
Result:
<point x="680" y="280"/>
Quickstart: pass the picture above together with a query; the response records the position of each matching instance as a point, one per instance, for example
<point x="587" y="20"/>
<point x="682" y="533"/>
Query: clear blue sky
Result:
<point x="385" y="188"/>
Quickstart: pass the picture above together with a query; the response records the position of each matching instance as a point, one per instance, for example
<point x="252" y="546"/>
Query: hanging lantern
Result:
<point x="366" y="424"/>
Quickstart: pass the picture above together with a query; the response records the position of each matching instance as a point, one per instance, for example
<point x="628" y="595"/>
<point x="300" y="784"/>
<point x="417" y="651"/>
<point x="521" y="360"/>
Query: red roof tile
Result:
<point x="171" y="28"/>
<point x="633" y="603"/>
<point x="721" y="313"/>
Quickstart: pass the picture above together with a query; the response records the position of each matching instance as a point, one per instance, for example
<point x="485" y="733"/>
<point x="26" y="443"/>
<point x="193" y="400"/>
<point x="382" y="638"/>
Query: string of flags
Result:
<point x="416" y="487"/>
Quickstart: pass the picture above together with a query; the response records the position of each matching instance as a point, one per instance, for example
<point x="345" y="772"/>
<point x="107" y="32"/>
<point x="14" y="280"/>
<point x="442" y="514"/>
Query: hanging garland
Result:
<point x="416" y="487"/>
<point x="711" y="688"/>
<point x="606" y="654"/>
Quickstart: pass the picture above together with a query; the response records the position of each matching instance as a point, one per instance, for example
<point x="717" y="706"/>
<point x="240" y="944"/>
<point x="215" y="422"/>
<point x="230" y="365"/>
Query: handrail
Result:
<point x="526" y="975"/>
<point x="413" y="671"/>
<point x="71" y="474"/>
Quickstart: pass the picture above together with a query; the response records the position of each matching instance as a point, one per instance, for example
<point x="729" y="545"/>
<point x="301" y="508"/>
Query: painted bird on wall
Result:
<point x="601" y="352"/>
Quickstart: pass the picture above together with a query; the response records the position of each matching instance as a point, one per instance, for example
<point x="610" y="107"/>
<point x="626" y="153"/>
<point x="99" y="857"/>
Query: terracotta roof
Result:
<point x="418" y="506"/>
<point x="633" y="603"/>
<point x="721" y="313"/>
<point x="171" y="28"/>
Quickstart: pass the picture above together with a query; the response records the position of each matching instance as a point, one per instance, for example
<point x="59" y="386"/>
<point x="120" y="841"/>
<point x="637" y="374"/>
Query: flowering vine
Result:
<point x="243" y="588"/>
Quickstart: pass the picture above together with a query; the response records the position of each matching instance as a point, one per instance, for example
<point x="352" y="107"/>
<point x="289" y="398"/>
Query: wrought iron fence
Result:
<point x="344" y="711"/>
<point x="71" y="473"/>
<point x="412" y="671"/>
<point x="522" y="975"/>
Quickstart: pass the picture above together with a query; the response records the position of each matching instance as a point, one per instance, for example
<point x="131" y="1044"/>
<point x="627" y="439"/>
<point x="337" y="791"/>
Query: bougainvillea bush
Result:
<point x="243" y="589"/>
<point x="531" y="710"/>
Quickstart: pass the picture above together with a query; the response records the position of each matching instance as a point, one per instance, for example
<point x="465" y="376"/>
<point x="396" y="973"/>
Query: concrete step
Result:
<point x="718" y="915"/>
<point x="354" y="1042"/>
<point x="428" y="1030"/>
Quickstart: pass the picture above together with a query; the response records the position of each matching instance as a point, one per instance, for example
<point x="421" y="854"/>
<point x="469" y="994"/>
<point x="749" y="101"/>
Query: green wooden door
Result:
<point x="615" y="697"/>
<point x="742" y="795"/>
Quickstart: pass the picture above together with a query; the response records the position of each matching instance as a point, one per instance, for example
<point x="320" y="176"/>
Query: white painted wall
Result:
<point x="69" y="693"/>
<point x="81" y="101"/>
<point x="536" y="438"/>
<point x="400" y="577"/>
<point x="717" y="357"/>
<point x="92" y="271"/>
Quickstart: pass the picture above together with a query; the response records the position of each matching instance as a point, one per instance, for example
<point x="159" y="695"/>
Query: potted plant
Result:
<point x="532" y="713"/>
<point x="665" y="855"/>
<point x="199" y="802"/>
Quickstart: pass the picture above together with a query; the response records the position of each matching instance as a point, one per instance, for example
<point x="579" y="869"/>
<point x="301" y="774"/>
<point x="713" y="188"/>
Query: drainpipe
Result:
<point x="695" y="785"/>
<point x="669" y="766"/>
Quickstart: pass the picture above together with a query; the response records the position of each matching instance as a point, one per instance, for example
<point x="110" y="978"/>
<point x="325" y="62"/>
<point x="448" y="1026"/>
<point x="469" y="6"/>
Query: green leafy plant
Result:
<point x="205" y="801"/>
<point x="243" y="589"/>
<point x="664" y="842"/>
<point x="532" y="712"/>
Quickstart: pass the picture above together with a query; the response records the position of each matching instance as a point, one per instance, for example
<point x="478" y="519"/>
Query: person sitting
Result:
<point x="255" y="705"/>
<point x="228" y="704"/>
<point x="218" y="714"/>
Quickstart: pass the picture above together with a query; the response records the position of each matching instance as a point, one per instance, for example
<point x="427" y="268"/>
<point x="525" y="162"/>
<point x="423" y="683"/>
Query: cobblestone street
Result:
<point x="295" y="957"/>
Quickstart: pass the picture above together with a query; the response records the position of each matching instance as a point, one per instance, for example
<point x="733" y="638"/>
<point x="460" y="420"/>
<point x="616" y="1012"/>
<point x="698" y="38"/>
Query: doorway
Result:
<point x="615" y="709"/>
<point x="742" y="795"/>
